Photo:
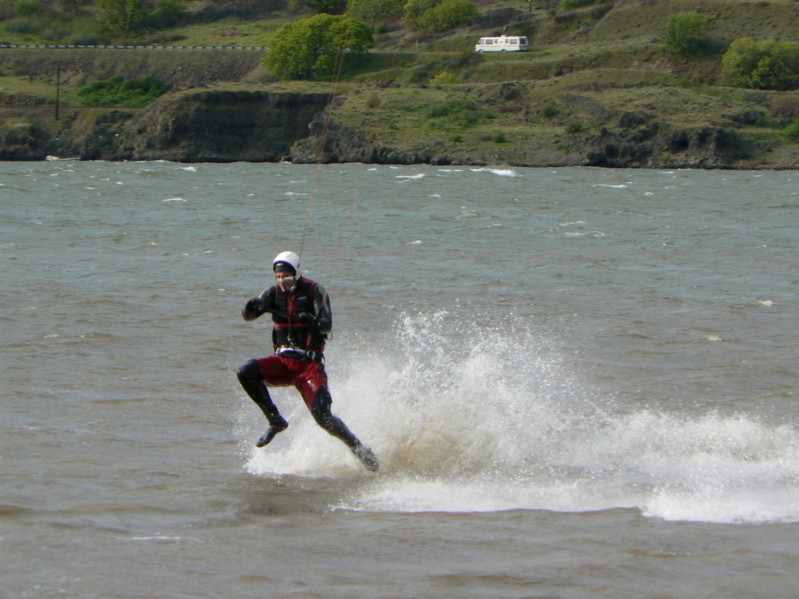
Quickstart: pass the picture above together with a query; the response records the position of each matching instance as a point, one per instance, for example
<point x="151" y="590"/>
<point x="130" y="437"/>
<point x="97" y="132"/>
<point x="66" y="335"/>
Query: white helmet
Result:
<point x="289" y="259"/>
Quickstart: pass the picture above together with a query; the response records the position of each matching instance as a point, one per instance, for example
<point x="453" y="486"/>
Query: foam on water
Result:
<point x="501" y="172"/>
<point x="470" y="419"/>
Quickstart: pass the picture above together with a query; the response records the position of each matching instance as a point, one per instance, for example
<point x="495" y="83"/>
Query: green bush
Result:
<point x="686" y="33"/>
<point x="169" y="13"/>
<point x="414" y="9"/>
<point x="84" y="31"/>
<point x="550" y="112"/>
<point x="117" y="91"/>
<point x="26" y="8"/>
<point x="445" y="77"/>
<point x="448" y="15"/>
<point x="792" y="130"/>
<point x="314" y="48"/>
<point x="24" y="26"/>
<point x="458" y="113"/>
<point x="327" y="7"/>
<point x="572" y="4"/>
<point x="574" y="128"/>
<point x="371" y="10"/>
<point x="766" y="64"/>
<point x="123" y="17"/>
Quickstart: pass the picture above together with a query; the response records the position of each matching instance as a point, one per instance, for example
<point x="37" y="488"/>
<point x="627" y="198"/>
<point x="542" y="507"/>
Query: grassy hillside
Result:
<point x="597" y="75"/>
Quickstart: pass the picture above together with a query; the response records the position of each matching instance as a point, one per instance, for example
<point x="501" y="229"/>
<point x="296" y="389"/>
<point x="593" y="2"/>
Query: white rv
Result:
<point x="504" y="43"/>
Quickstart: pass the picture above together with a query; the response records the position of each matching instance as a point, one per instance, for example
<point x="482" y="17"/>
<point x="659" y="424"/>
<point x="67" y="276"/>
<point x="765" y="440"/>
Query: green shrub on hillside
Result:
<point x="24" y="27"/>
<point x="439" y="15"/>
<point x="117" y="91"/>
<point x="445" y="77"/>
<point x="26" y="8"/>
<point x="168" y="13"/>
<point x="370" y="10"/>
<point x="414" y="9"/>
<point x="686" y="33"/>
<point x="314" y="48"/>
<point x="448" y="15"/>
<point x="458" y="113"/>
<point x="123" y="17"/>
<point x="792" y="130"/>
<point x="766" y="64"/>
<point x="328" y="7"/>
<point x="572" y="4"/>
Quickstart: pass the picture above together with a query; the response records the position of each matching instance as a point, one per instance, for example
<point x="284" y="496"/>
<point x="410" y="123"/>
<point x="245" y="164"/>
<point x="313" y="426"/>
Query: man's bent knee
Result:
<point x="249" y="372"/>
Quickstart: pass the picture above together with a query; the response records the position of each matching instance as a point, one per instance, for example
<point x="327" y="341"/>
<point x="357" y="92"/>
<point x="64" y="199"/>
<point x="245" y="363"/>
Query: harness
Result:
<point x="291" y="336"/>
<point x="299" y="354"/>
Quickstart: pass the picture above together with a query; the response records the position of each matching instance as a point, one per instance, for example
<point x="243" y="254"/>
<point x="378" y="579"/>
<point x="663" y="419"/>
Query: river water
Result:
<point x="580" y="383"/>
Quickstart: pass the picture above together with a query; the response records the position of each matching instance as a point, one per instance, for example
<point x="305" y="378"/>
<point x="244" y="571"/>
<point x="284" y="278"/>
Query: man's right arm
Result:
<point x="255" y="307"/>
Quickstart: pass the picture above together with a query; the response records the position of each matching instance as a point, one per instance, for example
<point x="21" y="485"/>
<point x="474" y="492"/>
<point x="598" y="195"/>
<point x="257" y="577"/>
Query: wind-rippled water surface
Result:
<point x="580" y="382"/>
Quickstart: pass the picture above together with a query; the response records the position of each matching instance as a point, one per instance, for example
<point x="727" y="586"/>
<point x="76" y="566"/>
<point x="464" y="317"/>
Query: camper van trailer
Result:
<point x="504" y="43"/>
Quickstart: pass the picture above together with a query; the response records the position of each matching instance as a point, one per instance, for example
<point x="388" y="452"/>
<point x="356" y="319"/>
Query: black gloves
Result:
<point x="255" y="303"/>
<point x="254" y="308"/>
<point x="308" y="318"/>
<point x="257" y="306"/>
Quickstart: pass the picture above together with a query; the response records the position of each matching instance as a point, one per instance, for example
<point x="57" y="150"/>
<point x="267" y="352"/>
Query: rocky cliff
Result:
<point x="270" y="126"/>
<point x="206" y="126"/>
<point x="199" y="126"/>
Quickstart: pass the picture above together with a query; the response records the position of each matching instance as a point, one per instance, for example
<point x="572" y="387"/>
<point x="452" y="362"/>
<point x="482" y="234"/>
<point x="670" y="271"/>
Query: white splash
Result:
<point x="464" y="422"/>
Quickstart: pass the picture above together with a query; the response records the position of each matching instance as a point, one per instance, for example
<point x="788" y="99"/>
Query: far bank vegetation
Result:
<point x="710" y="47"/>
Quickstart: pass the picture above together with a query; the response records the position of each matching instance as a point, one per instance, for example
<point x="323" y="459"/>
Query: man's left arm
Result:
<point x="323" y="313"/>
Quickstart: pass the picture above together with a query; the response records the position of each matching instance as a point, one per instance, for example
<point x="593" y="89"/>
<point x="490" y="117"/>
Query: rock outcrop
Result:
<point x="269" y="126"/>
<point x="330" y="142"/>
<point x="660" y="144"/>
<point x="206" y="126"/>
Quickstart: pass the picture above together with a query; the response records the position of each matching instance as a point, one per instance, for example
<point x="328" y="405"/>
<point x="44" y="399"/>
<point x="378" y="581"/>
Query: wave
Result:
<point x="500" y="172"/>
<point x="469" y="419"/>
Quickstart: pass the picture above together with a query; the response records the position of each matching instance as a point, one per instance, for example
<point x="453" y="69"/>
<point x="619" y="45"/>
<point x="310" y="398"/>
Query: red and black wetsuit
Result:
<point x="302" y="319"/>
<point x="307" y="297"/>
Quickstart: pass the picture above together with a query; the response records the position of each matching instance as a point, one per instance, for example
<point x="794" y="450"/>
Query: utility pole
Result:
<point x="57" y="90"/>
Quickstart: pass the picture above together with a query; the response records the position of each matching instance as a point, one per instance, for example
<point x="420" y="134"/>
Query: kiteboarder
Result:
<point x="302" y="318"/>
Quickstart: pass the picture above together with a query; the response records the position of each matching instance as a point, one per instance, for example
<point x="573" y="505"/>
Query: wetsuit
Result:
<point x="302" y="320"/>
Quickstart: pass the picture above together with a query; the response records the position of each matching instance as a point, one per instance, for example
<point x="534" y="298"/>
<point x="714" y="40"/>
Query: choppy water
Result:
<point x="581" y="383"/>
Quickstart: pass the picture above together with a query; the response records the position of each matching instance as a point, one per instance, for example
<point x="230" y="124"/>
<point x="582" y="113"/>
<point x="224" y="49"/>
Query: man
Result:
<point x="302" y="319"/>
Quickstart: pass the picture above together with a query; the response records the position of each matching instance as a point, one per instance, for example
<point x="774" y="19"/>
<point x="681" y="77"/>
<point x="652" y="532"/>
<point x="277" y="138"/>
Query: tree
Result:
<point x="122" y="16"/>
<point x="766" y="64"/>
<point x="686" y="33"/>
<point x="314" y="48"/>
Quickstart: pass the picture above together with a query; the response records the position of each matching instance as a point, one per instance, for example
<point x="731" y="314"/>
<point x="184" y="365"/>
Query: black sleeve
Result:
<point x="322" y="311"/>
<point x="259" y="305"/>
